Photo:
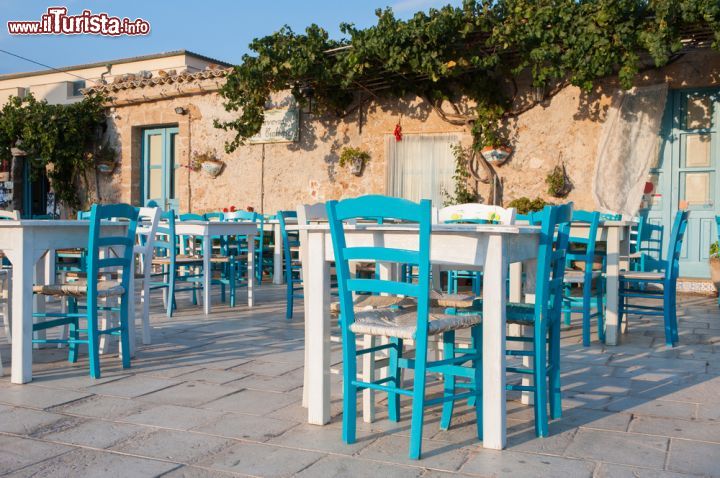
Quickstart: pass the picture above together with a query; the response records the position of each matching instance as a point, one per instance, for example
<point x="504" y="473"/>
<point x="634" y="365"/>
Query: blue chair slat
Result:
<point x="97" y="267"/>
<point x="407" y="211"/>
<point x="642" y="285"/>
<point x="583" y="249"/>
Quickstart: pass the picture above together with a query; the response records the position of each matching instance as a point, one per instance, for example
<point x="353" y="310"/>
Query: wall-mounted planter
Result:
<point x="496" y="154"/>
<point x="715" y="272"/>
<point x="105" y="167"/>
<point x="212" y="167"/>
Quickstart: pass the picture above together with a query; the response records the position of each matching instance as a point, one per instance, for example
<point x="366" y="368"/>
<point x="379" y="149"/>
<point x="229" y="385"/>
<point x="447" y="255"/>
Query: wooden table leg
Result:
<point x="278" y="276"/>
<point x="494" y="320"/>
<point x="23" y="259"/>
<point x="251" y="270"/>
<point x="207" y="272"/>
<point x="318" y="343"/>
<point x="613" y="285"/>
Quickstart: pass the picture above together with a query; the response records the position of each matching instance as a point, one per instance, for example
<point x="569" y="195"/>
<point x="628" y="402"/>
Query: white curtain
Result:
<point x="421" y="166"/>
<point x="628" y="148"/>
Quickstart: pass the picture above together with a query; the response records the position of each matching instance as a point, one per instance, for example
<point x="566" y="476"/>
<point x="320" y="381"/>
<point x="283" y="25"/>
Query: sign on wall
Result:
<point x="281" y="125"/>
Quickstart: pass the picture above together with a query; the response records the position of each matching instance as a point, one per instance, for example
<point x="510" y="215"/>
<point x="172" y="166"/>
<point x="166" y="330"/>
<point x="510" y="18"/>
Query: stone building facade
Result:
<point x="564" y="129"/>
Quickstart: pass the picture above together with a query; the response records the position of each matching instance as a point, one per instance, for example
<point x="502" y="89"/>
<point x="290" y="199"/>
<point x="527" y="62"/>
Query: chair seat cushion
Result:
<point x="79" y="289"/>
<point x="573" y="276"/>
<point x="369" y="302"/>
<point x="442" y="299"/>
<point x="651" y="276"/>
<point x="403" y="323"/>
<point x="635" y="255"/>
<point x="179" y="259"/>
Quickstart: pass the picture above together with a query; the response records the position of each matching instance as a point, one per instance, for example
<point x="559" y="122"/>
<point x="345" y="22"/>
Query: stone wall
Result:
<point x="564" y="129"/>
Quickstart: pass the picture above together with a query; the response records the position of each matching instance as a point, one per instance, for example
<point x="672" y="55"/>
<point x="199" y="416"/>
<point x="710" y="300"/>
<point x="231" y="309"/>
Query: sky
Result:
<point x="220" y="29"/>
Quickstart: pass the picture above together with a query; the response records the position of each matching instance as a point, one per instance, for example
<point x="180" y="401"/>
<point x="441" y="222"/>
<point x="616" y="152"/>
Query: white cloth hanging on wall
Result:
<point x="628" y="148"/>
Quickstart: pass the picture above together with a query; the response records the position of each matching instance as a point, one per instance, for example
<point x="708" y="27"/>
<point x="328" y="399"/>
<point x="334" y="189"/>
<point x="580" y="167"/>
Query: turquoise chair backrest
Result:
<point x="672" y="261"/>
<point x="84" y="215"/>
<point x="189" y="216"/>
<point x="554" y="222"/>
<point x="607" y="216"/>
<point x="97" y="242"/>
<point x="165" y="239"/>
<point x="382" y="207"/>
<point x="717" y="222"/>
<point x="289" y="238"/>
<point x="214" y="216"/>
<point x="582" y="248"/>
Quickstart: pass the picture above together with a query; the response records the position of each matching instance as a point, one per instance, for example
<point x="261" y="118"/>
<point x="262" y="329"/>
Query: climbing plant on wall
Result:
<point x="57" y="138"/>
<point x="475" y="52"/>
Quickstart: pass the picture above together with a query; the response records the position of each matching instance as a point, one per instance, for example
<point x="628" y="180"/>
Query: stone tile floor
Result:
<point x="220" y="396"/>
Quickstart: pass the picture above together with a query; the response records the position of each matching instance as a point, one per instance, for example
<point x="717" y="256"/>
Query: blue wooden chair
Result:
<point x="95" y="288"/>
<point x="646" y="253"/>
<point x="241" y="241"/>
<point x="174" y="267"/>
<point x="293" y="266"/>
<point x="544" y="316"/>
<point x="643" y="285"/>
<point x="417" y="323"/>
<point x="582" y="250"/>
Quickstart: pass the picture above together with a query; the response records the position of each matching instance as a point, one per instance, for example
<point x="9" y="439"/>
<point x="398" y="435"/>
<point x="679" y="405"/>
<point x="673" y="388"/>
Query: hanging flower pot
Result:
<point x="496" y="154"/>
<point x="213" y="167"/>
<point x="105" y="167"/>
<point x="105" y="159"/>
<point x="355" y="158"/>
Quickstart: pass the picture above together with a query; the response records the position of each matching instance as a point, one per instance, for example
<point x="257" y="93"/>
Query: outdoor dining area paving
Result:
<point x="221" y="395"/>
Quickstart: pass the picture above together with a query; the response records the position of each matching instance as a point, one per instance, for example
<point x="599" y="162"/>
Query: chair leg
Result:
<point x="146" y="336"/>
<point x="448" y="380"/>
<point x="667" y="318"/>
<point x="73" y="334"/>
<point x="554" y="378"/>
<point x="125" y="330"/>
<point x="231" y="272"/>
<point x="418" y="399"/>
<point x="93" y="342"/>
<point x="587" y="290"/>
<point x="568" y="311"/>
<point x="541" y="395"/>
<point x="289" y="297"/>
<point x="394" y="369"/>
<point x="172" y="273"/>
<point x="349" y="390"/>
<point x="477" y="339"/>
<point x="600" y="311"/>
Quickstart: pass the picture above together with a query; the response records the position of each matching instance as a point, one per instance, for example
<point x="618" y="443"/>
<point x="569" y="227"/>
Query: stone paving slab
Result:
<point x="221" y="396"/>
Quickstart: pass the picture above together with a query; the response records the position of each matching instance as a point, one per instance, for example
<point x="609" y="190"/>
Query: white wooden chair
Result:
<point x="148" y="219"/>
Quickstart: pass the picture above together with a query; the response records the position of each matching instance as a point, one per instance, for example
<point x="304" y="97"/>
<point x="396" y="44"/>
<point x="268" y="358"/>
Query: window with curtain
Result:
<point x="421" y="166"/>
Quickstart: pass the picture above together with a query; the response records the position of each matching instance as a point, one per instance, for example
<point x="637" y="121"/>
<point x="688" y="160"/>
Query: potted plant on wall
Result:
<point x="356" y="158"/>
<point x="558" y="183"/>
<point x="105" y="159"/>
<point x="715" y="264"/>
<point x="208" y="163"/>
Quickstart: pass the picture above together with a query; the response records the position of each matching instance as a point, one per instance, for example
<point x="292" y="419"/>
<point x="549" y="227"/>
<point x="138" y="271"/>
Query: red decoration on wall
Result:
<point x="398" y="132"/>
<point x="648" y="187"/>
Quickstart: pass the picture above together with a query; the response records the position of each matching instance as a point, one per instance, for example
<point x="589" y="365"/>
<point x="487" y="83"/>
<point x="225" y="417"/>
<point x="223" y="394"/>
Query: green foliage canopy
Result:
<point x="466" y="51"/>
<point x="59" y="136"/>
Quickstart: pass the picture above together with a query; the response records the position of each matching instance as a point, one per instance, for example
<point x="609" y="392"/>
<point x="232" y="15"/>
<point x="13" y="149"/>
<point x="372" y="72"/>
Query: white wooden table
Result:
<point x="24" y="243"/>
<point x="487" y="247"/>
<point x="616" y="234"/>
<point x="208" y="229"/>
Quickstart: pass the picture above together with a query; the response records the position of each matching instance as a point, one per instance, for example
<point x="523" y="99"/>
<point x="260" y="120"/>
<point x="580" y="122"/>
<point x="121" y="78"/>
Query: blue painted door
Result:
<point x="688" y="173"/>
<point x="159" y="167"/>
